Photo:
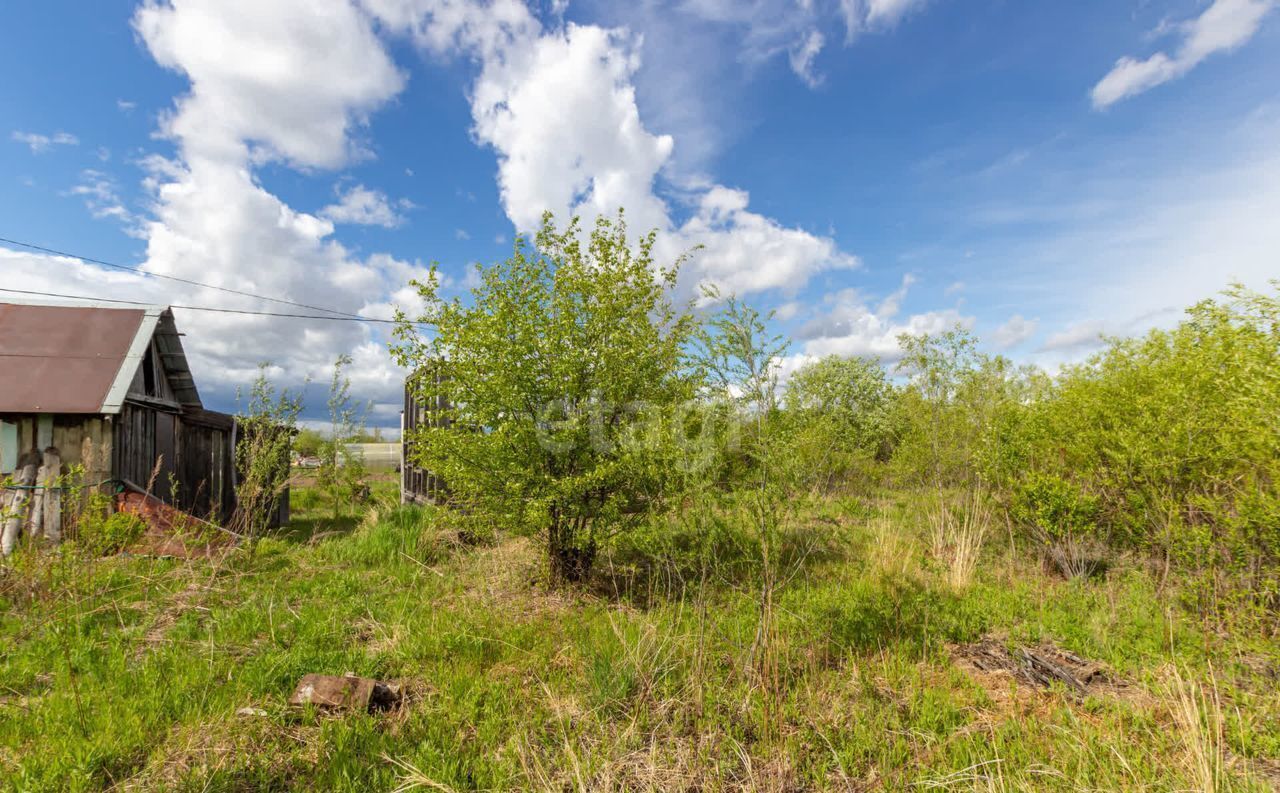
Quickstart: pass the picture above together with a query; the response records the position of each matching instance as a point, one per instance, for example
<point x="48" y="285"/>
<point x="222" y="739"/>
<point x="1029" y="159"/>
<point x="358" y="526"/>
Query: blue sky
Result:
<point x="1041" y="173"/>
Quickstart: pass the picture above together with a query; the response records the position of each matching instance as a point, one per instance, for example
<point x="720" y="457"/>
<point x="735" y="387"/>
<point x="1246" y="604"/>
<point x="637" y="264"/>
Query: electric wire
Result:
<point x="187" y="281"/>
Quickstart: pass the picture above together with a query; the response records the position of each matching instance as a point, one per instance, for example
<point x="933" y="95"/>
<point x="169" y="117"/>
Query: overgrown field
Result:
<point x="135" y="673"/>
<point x="658" y="569"/>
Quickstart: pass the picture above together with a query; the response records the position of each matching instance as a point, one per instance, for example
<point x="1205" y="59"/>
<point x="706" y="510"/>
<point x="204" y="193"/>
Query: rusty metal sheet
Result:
<point x="61" y="359"/>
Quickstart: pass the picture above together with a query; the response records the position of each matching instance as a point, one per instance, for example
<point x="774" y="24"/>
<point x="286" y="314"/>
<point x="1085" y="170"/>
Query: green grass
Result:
<point x="311" y="513"/>
<point x="127" y="673"/>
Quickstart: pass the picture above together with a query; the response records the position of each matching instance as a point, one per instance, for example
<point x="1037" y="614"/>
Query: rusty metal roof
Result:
<point x="82" y="358"/>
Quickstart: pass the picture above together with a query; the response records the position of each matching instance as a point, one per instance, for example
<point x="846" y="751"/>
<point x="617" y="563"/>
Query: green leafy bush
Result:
<point x="111" y="534"/>
<point x="1175" y="439"/>
<point x="838" y="418"/>
<point x="1062" y="518"/>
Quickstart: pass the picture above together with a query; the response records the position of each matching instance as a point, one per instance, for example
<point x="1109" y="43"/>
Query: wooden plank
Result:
<point x="16" y="502"/>
<point x="51" y="506"/>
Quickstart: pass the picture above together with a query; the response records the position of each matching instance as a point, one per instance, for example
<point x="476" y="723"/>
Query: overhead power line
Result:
<point x="348" y="318"/>
<point x="187" y="281"/>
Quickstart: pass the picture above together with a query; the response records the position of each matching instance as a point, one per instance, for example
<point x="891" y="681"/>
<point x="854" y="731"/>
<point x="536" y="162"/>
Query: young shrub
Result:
<point x="839" y="413"/>
<point x="960" y="409"/>
<point x="112" y="534"/>
<point x="265" y="431"/>
<point x="1173" y="436"/>
<point x="547" y="365"/>
<point x="1063" y="520"/>
<point x="342" y="474"/>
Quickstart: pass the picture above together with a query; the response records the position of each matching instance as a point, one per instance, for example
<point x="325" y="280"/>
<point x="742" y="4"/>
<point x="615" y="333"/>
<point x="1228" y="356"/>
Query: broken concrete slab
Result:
<point x="345" y="692"/>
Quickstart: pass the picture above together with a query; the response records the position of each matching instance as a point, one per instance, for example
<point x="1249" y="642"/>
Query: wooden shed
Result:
<point x="110" y="388"/>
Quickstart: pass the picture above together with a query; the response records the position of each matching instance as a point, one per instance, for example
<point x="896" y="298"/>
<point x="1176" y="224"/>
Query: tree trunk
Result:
<point x="570" y="559"/>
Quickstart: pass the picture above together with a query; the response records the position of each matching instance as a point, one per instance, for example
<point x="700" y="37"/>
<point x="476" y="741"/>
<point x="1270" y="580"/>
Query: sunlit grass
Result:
<point x="128" y="673"/>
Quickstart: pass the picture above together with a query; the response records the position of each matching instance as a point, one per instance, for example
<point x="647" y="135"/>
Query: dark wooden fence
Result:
<point x="424" y="406"/>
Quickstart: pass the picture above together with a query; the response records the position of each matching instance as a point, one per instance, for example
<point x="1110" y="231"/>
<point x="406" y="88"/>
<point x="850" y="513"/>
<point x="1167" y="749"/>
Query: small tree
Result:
<point x="738" y="356"/>
<point x="342" y="473"/>
<point x="264" y="432"/>
<point x="308" y="443"/>
<point x="845" y="406"/>
<point x="548" y="365"/>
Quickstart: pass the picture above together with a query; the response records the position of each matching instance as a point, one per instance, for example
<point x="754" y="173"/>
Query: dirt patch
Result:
<point x="1261" y="770"/>
<point x="992" y="663"/>
<point x="506" y="578"/>
<point x="158" y="630"/>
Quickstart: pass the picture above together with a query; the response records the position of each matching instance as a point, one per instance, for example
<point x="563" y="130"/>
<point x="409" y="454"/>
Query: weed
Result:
<point x="957" y="531"/>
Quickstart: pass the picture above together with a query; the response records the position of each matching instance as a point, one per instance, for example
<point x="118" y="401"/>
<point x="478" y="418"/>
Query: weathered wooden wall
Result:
<point x="80" y="440"/>
<point x="205" y="465"/>
<point x="424" y="406"/>
<point x="185" y="459"/>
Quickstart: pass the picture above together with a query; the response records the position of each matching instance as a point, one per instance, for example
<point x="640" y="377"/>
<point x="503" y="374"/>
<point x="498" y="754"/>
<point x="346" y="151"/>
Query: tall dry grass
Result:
<point x="1197" y="714"/>
<point x="958" y="527"/>
<point x="893" y="552"/>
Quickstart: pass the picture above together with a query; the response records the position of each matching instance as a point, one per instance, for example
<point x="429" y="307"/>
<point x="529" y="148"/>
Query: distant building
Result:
<point x="110" y="389"/>
<point x="378" y="456"/>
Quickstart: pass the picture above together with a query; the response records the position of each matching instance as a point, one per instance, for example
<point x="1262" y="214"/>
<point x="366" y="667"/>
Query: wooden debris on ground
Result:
<point x="1040" y="666"/>
<point x="345" y="692"/>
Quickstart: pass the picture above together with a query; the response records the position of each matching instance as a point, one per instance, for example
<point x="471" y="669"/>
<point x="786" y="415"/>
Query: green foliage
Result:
<point x="1174" y="437"/>
<point x="546" y="368"/>
<point x="265" y="430"/>
<point x="955" y="418"/>
<point x="308" y="442"/>
<point x="103" y="532"/>
<point x="839" y="411"/>
<point x="853" y="392"/>
<point x="738" y="356"/>
<point x="342" y="472"/>
<point x="1062" y="519"/>
<point x="1055" y="507"/>
<point x="93" y="513"/>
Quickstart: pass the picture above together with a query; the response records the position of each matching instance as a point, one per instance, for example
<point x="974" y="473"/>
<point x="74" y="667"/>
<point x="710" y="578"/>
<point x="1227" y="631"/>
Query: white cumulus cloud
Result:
<point x="1014" y="331"/>
<point x="1083" y="335"/>
<point x="291" y="79"/>
<point x="363" y="206"/>
<point x="852" y="326"/>
<point x="1222" y="27"/>
<point x="594" y="154"/>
